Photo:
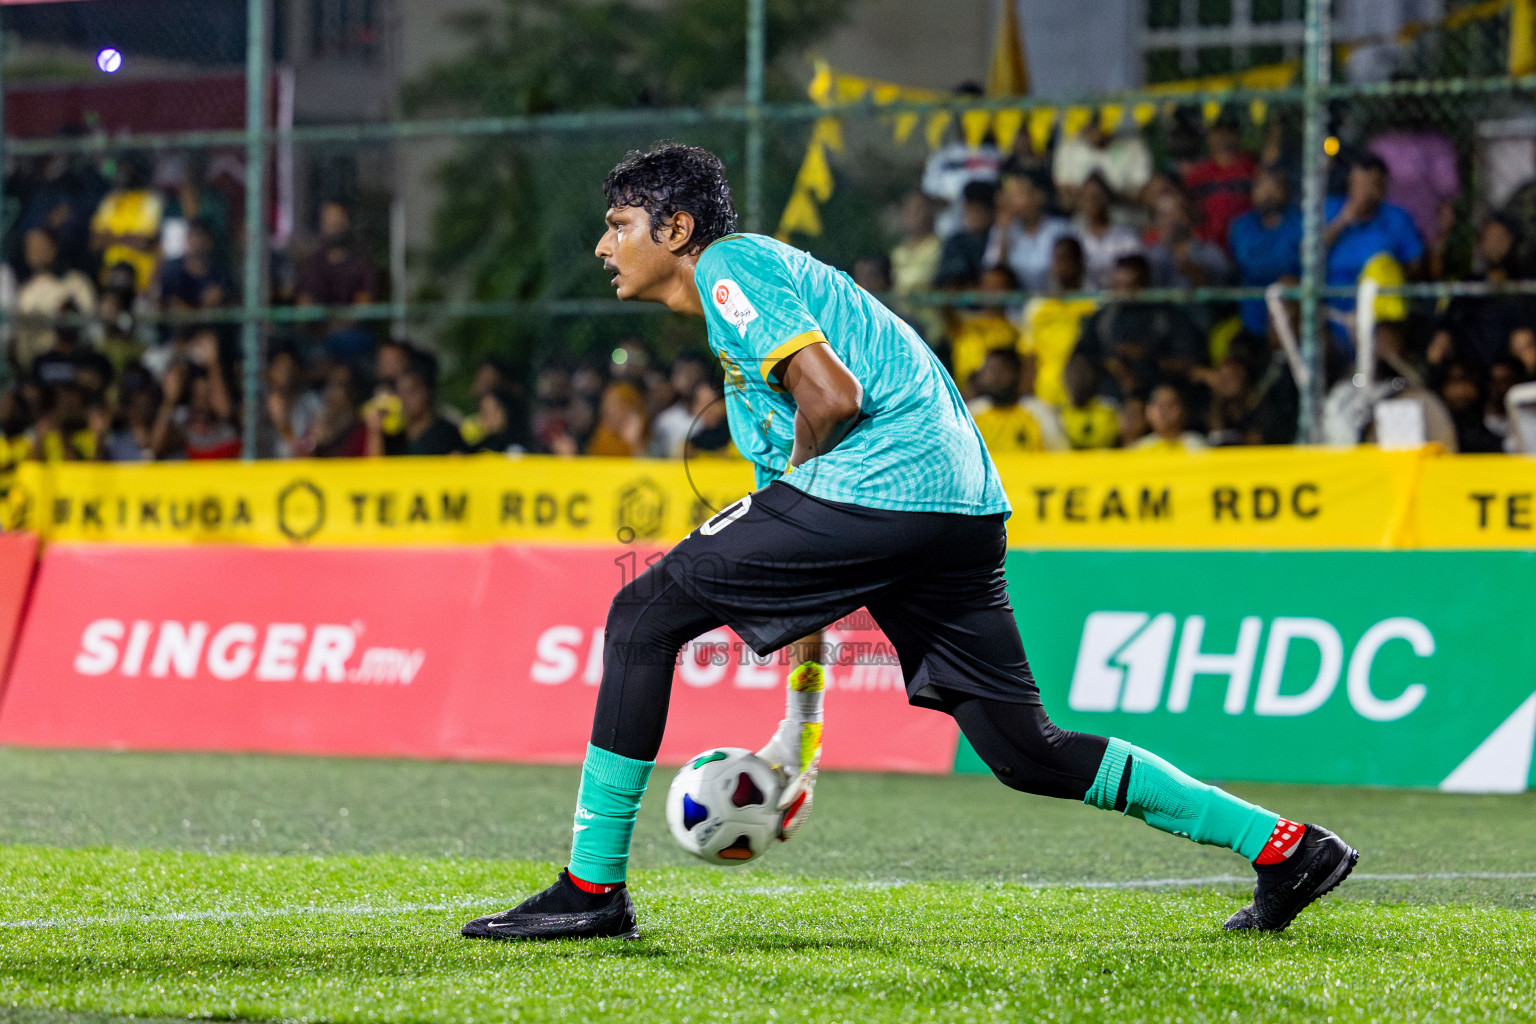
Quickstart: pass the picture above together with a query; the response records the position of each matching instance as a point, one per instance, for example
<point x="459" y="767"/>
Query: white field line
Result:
<point x="471" y="903"/>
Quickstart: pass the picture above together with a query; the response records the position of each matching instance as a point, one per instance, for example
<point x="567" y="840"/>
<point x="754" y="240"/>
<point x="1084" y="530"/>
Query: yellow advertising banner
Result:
<point x="373" y="502"/>
<point x="1233" y="499"/>
<point x="1475" y="501"/>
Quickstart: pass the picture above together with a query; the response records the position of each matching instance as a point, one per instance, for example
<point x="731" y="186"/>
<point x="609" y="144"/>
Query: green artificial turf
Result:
<point x="175" y="886"/>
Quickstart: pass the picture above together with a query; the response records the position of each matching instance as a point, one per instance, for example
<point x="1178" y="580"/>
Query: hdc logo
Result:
<point x="1123" y="658"/>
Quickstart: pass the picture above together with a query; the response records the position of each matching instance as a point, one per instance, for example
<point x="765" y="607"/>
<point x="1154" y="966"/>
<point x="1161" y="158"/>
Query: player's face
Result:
<point x="637" y="262"/>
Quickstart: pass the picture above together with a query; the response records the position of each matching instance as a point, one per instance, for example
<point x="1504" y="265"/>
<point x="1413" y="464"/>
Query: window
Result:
<point x="345" y="28"/>
<point x="1192" y="38"/>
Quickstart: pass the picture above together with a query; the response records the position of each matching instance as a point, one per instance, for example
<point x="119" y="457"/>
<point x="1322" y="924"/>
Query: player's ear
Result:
<point x="680" y="233"/>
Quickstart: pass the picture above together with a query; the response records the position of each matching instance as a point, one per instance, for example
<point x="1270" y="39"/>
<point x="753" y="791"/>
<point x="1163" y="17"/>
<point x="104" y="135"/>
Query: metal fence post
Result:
<point x="756" y="45"/>
<point x="255" y="221"/>
<point x="1317" y="68"/>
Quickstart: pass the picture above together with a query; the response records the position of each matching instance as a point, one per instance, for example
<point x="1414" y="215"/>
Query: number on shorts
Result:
<point x="726" y="516"/>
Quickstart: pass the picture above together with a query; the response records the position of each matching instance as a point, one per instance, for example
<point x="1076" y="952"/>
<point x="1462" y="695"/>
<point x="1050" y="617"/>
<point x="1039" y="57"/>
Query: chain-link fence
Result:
<point x="195" y="267"/>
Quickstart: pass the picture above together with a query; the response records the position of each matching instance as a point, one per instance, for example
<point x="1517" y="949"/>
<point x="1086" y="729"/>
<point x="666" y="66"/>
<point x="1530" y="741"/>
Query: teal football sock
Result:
<point x="611" y="788"/>
<point x="1170" y="801"/>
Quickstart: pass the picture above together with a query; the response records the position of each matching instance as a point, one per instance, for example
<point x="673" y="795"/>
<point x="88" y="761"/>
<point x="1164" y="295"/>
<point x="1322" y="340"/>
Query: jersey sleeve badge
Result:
<point x="733" y="304"/>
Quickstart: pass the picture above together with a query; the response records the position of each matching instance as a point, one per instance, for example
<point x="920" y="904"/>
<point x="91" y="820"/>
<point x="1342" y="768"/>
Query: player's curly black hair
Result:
<point x="672" y="179"/>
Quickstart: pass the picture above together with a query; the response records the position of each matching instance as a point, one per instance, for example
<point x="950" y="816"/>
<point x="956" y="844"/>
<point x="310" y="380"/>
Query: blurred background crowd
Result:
<point x="1091" y="247"/>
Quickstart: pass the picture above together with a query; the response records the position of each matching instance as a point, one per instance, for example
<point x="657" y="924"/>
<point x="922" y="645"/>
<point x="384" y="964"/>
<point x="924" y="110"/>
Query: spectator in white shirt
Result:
<point x="955" y="165"/>
<point x="1104" y="241"/>
<point x="45" y="294"/>
<point x="673" y="426"/>
<point x="1123" y="161"/>
<point x="1024" y="234"/>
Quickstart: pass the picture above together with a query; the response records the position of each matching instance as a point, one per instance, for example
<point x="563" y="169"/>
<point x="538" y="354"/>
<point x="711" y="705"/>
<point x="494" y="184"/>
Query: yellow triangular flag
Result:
<point x="800" y="216"/>
<point x="938" y="124"/>
<point x="1110" y="116"/>
<point x="1075" y="120"/>
<point x="821" y="85"/>
<point x="1042" y="121"/>
<point x="1258" y="110"/>
<point x="828" y="132"/>
<point x="1008" y="74"/>
<point x="851" y="89"/>
<point x="1522" y="37"/>
<point x="1211" y="110"/>
<point x="906" y="124"/>
<point x="974" y="124"/>
<point x="1143" y="113"/>
<point x="1005" y="128"/>
<point x="815" y="174"/>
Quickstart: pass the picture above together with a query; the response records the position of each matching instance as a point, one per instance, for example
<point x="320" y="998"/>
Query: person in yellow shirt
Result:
<point x="1051" y="323"/>
<point x="1089" y="420"/>
<point x="1007" y="413"/>
<point x="915" y="264"/>
<point x="975" y="332"/>
<point x="15" y="437"/>
<point x="1166" y="415"/>
<point x="126" y="227"/>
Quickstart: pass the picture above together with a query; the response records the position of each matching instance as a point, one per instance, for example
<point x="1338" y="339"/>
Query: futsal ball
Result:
<point x="721" y="806"/>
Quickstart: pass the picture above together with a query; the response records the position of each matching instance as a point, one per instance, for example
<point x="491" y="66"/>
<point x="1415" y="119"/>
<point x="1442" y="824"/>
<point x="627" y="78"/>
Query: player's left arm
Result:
<point x="828" y="398"/>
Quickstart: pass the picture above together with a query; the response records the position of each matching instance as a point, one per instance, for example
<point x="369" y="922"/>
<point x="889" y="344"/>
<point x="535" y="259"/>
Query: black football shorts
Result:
<point x="779" y="564"/>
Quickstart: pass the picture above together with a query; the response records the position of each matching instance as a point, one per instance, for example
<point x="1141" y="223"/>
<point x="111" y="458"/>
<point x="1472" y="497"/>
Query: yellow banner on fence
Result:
<point x="1476" y="501"/>
<point x="372" y="502"/>
<point x="1248" y="498"/>
<point x="1234" y="499"/>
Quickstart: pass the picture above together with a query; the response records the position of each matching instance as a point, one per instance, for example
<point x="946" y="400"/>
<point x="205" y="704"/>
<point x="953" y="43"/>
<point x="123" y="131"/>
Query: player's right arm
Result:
<point x="827" y="397"/>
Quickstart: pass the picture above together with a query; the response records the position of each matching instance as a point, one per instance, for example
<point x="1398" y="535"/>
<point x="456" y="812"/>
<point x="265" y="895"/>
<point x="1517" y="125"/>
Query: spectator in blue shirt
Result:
<point x="1266" y="244"/>
<point x="1361" y="224"/>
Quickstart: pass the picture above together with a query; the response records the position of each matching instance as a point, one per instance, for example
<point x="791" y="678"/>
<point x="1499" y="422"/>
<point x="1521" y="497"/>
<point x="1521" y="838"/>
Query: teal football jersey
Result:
<point x="914" y="447"/>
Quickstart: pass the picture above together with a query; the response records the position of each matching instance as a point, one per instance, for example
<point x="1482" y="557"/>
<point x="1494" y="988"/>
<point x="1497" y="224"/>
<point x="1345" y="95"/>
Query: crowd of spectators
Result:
<point x="1082" y="230"/>
<point x="1096" y="213"/>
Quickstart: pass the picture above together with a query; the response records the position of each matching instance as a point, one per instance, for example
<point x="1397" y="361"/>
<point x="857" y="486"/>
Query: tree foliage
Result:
<point x="517" y="215"/>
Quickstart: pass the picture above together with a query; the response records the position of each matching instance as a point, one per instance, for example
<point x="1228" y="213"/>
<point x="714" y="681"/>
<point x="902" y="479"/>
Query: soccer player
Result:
<point x="874" y="490"/>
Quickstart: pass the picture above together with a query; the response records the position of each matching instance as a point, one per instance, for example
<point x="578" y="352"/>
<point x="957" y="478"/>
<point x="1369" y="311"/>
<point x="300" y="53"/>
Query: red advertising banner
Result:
<point x="18" y="555"/>
<point x="480" y="653"/>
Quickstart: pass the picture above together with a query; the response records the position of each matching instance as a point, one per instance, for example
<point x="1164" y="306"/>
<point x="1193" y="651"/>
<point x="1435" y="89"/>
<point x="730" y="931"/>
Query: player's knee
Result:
<point x="640" y="626"/>
<point x="1013" y="776"/>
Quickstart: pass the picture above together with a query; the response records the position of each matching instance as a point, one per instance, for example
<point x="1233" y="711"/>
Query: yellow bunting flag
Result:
<point x="820" y="89"/>
<point x="1110" y="116"/>
<point x="1211" y="110"/>
<point x="1006" y="125"/>
<point x="906" y="124"/>
<point x="975" y="124"/>
<point x="851" y="89"/>
<point x="1258" y="111"/>
<point x="938" y="124"/>
<point x="1075" y="120"/>
<point x="828" y="132"/>
<point x="800" y="217"/>
<point x="1143" y="113"/>
<point x="1042" y="121"/>
<point x="815" y="174"/>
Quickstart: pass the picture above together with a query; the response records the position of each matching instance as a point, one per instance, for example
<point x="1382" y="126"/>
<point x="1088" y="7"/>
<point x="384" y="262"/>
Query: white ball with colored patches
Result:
<point x="721" y="807"/>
